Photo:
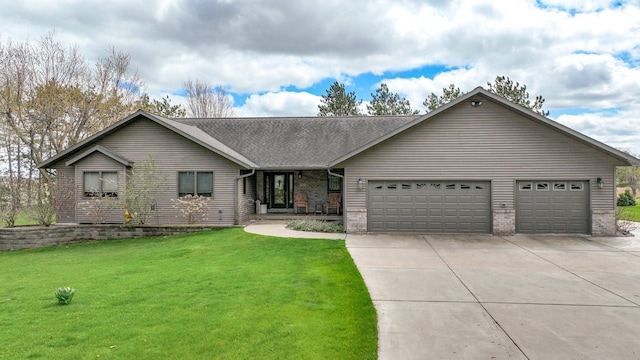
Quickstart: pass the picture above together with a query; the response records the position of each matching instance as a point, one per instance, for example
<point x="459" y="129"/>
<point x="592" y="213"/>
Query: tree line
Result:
<point x="338" y="102"/>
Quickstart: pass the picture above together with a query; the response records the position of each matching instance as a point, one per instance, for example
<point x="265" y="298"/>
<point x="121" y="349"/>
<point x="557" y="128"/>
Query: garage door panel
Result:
<point x="406" y="212"/>
<point x="430" y="206"/>
<point x="465" y="199"/>
<point x="435" y="199"/>
<point x="552" y="207"/>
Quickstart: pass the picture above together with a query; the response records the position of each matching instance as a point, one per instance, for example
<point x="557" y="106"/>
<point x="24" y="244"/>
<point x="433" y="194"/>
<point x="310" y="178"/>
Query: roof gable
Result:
<point x="189" y="132"/>
<point x="108" y="153"/>
<point x="480" y="94"/>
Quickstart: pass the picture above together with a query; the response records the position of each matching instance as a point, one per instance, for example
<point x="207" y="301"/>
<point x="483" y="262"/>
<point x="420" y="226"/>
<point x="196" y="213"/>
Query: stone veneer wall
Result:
<point x="504" y="222"/>
<point x="603" y="223"/>
<point x="356" y="220"/>
<point x="41" y="236"/>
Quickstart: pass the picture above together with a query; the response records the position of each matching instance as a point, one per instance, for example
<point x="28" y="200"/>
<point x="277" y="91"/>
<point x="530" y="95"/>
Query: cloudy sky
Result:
<point x="277" y="57"/>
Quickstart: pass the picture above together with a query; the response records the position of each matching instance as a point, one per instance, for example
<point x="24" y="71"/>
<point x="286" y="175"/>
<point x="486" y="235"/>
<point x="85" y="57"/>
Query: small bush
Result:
<point x="64" y="295"/>
<point x="626" y="199"/>
<point x="316" y="226"/>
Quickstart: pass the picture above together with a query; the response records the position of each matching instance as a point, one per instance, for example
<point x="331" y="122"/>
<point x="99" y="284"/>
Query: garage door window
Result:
<point x="542" y="186"/>
<point x="576" y="187"/>
<point x="525" y="186"/>
<point x="559" y="186"/>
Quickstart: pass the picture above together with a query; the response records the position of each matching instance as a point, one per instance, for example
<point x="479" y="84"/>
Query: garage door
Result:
<point x="552" y="207"/>
<point x="429" y="206"/>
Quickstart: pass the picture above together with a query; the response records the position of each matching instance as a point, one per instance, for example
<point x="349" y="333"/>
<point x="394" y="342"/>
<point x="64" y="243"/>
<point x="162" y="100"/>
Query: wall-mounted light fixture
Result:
<point x="300" y="174"/>
<point x="600" y="182"/>
<point x="360" y="183"/>
<point x="476" y="103"/>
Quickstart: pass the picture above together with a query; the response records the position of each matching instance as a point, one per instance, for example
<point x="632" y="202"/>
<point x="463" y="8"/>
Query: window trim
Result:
<point x="100" y="192"/>
<point x="195" y="183"/>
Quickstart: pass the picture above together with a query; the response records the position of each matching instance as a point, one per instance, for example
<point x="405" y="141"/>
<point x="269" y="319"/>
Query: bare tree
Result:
<point x="52" y="98"/>
<point x="205" y="101"/>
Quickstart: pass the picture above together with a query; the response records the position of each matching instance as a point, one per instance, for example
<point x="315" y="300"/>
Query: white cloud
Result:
<point x="280" y="104"/>
<point x="619" y="130"/>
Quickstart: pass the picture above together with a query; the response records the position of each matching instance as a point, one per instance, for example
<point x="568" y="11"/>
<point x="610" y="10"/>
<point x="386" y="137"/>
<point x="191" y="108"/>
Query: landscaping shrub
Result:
<point x="64" y="295"/>
<point x="316" y="226"/>
<point x="626" y="199"/>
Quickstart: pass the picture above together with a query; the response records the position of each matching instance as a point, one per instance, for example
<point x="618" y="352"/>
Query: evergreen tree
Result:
<point x="384" y="102"/>
<point x="434" y="101"/>
<point x="516" y="93"/>
<point x="337" y="102"/>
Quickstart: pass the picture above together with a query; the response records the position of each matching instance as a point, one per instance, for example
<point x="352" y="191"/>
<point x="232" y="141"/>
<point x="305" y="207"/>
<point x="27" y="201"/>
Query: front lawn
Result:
<point x="220" y="294"/>
<point x="631" y="213"/>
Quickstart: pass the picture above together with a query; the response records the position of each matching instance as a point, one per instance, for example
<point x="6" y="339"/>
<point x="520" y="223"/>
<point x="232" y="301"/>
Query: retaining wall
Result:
<point x="28" y="237"/>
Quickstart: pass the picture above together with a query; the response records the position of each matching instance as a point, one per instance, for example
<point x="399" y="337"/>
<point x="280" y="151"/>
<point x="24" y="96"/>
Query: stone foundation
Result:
<point x="603" y="223"/>
<point x="356" y="219"/>
<point x="29" y="237"/>
<point x="504" y="222"/>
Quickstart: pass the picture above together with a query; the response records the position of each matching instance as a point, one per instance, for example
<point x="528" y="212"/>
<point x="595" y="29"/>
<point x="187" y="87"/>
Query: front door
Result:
<point x="279" y="186"/>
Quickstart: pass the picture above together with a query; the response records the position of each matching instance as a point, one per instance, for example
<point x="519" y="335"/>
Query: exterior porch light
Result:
<point x="300" y="174"/>
<point x="360" y="183"/>
<point x="600" y="182"/>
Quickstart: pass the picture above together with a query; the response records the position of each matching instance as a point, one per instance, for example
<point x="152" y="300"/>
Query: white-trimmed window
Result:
<point x="100" y="183"/>
<point x="195" y="183"/>
<point x="542" y="186"/>
<point x="526" y="186"/>
<point x="559" y="186"/>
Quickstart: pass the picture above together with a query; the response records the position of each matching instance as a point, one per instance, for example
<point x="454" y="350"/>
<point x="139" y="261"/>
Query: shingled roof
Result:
<point x="300" y="142"/>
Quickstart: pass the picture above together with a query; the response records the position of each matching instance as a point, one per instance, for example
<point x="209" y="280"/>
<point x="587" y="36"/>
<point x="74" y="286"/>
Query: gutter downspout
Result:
<point x="343" y="189"/>
<point x="334" y="174"/>
<point x="236" y="215"/>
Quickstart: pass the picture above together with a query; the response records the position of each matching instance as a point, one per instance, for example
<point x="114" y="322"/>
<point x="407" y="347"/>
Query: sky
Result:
<point x="278" y="57"/>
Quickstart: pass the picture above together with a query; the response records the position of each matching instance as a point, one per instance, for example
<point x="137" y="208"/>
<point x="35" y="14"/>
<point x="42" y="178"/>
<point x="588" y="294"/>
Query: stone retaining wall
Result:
<point x="28" y="237"/>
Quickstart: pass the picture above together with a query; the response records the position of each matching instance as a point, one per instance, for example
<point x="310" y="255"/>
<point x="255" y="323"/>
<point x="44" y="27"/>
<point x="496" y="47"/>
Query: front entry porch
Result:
<point x="277" y="192"/>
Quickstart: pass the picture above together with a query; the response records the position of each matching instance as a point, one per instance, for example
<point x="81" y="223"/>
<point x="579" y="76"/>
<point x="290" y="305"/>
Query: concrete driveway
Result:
<point x="490" y="297"/>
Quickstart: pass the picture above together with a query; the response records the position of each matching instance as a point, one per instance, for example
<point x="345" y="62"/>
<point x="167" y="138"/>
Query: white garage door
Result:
<point x="429" y="206"/>
<point x="552" y="207"/>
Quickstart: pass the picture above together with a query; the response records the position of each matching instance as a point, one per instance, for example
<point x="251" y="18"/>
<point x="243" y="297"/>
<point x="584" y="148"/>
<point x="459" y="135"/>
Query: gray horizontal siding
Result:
<point x="172" y="153"/>
<point x="65" y="177"/>
<point x="484" y="143"/>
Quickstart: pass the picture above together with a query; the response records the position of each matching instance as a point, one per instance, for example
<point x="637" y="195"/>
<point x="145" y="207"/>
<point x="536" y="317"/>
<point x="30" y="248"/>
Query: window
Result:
<point x="542" y="186"/>
<point x="195" y="183"/>
<point x="576" y="186"/>
<point x="101" y="184"/>
<point x="559" y="186"/>
<point x="527" y="186"/>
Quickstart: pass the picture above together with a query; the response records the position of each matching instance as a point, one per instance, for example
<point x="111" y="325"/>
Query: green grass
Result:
<point x="221" y="294"/>
<point x="632" y="212"/>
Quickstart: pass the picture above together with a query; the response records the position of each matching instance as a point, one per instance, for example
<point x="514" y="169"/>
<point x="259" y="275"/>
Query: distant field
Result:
<point x="632" y="211"/>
